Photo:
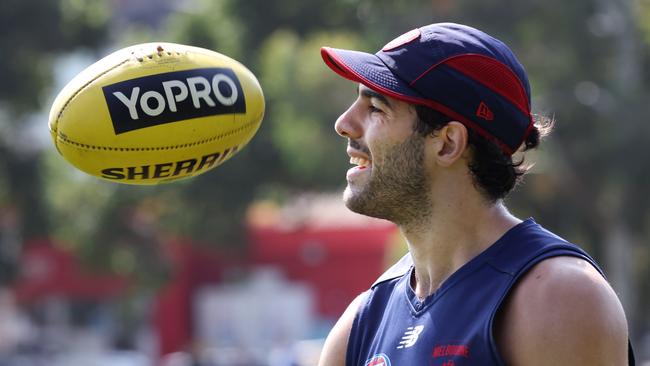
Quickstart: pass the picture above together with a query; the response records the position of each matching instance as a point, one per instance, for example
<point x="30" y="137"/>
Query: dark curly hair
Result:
<point x="494" y="172"/>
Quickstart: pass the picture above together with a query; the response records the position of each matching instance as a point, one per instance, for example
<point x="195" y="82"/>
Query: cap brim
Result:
<point x="369" y="70"/>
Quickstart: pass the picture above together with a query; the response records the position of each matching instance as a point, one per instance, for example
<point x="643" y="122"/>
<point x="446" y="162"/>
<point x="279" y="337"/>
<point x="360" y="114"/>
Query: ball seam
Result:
<point x="66" y="140"/>
<point x="84" y="86"/>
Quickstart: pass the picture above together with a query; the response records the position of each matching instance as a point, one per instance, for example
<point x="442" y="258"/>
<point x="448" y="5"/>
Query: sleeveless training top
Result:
<point x="453" y="326"/>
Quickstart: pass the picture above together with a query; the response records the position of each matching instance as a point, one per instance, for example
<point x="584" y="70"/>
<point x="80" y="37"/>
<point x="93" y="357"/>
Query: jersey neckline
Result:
<point x="418" y="306"/>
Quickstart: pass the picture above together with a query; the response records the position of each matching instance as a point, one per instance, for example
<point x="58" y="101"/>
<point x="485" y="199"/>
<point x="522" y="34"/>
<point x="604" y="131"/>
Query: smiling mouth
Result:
<point x="360" y="162"/>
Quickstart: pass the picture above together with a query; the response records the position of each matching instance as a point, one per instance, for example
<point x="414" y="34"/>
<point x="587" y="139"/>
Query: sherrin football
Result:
<point x="156" y="112"/>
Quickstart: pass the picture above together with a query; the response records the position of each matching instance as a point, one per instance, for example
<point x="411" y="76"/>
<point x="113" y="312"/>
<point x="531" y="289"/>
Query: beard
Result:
<point x="398" y="187"/>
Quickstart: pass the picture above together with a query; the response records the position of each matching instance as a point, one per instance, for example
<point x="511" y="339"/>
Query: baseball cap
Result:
<point x="455" y="69"/>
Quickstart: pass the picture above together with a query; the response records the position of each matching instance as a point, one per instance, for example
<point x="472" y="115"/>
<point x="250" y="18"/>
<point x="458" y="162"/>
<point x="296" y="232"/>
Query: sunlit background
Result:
<point x="250" y="264"/>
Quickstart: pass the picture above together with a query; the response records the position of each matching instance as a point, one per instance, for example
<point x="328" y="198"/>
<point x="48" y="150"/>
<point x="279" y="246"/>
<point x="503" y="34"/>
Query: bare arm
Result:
<point x="336" y="344"/>
<point x="562" y="312"/>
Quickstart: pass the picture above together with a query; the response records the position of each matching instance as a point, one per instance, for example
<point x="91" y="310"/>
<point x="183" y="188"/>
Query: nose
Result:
<point x="347" y="125"/>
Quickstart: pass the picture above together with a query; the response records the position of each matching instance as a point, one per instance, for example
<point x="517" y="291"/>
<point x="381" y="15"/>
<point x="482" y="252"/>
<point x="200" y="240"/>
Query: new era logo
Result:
<point x="483" y="111"/>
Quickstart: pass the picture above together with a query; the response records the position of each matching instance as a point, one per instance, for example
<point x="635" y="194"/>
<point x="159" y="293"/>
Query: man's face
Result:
<point x="389" y="179"/>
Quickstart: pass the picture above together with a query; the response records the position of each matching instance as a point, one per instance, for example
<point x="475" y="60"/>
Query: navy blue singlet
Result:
<point x="453" y="326"/>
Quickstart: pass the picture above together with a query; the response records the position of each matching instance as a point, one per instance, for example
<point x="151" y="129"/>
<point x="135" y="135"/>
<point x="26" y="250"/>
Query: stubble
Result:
<point x="398" y="187"/>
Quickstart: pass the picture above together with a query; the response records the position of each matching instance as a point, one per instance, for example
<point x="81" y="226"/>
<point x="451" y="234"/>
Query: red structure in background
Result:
<point x="338" y="263"/>
<point x="191" y="267"/>
<point x="47" y="270"/>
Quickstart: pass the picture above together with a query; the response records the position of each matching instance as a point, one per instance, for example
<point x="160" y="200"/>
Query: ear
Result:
<point x="450" y="143"/>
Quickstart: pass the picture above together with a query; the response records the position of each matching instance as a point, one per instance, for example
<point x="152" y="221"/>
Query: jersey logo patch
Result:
<point x="378" y="360"/>
<point x="410" y="336"/>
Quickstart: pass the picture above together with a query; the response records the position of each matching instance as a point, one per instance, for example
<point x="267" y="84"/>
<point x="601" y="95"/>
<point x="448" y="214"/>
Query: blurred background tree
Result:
<point x="33" y="33"/>
<point x="586" y="60"/>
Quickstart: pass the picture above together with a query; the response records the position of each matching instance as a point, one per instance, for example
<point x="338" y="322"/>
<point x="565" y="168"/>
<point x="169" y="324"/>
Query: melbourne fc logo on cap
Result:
<point x="405" y="38"/>
<point x="378" y="360"/>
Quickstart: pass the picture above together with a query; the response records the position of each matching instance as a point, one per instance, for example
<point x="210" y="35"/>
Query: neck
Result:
<point x="456" y="231"/>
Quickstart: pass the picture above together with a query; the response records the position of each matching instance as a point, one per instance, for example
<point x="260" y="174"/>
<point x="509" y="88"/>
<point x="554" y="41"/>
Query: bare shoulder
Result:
<point x="336" y="344"/>
<point x="562" y="312"/>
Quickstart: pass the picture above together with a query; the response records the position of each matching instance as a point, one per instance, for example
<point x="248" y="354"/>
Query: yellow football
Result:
<point x="156" y="112"/>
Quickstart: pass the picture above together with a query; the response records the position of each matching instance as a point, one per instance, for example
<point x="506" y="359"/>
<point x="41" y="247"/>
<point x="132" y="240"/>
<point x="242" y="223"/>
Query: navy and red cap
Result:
<point x="457" y="70"/>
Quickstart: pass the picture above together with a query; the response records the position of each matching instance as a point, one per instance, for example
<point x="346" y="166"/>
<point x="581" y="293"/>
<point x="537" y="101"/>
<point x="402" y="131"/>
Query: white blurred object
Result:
<point x="264" y="313"/>
<point x="115" y="358"/>
<point x="16" y="327"/>
<point x="176" y="359"/>
<point x="308" y="351"/>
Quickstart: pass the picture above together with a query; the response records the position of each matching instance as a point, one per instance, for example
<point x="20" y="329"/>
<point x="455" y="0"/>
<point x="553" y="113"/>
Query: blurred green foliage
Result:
<point x="587" y="62"/>
<point x="33" y="34"/>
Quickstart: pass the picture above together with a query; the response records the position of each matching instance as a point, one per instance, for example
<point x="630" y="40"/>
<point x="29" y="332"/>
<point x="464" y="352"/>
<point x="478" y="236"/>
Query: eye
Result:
<point x="374" y="109"/>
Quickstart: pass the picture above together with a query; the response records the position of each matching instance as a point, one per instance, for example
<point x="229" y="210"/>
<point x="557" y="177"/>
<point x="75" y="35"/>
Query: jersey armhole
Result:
<point x="350" y="355"/>
<point x="536" y="259"/>
<point x="554" y="252"/>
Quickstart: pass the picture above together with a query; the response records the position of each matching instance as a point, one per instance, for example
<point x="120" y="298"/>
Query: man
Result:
<point x="440" y="111"/>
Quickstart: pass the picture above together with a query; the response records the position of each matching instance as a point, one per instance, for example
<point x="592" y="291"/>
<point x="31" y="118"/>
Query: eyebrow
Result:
<point x="369" y="93"/>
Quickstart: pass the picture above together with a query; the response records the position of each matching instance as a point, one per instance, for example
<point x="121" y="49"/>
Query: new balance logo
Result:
<point x="410" y="336"/>
<point x="484" y="112"/>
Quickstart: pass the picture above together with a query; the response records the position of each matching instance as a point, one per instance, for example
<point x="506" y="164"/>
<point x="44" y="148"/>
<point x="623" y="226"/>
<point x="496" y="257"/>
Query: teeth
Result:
<point x="359" y="161"/>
